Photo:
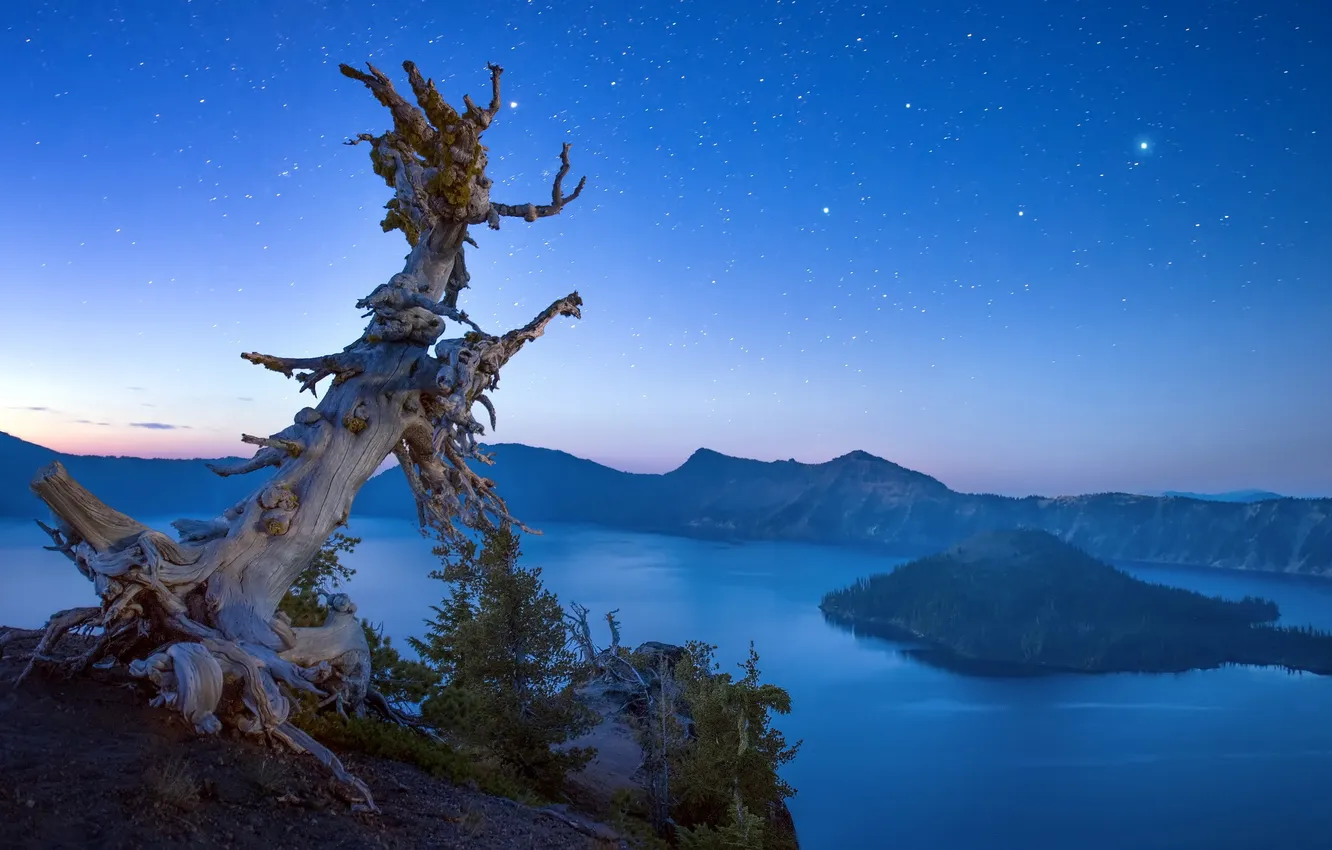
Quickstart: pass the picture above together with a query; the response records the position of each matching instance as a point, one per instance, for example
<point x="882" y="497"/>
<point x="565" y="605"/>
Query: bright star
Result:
<point x="1142" y="145"/>
<point x="825" y="210"/>
<point x="513" y="104"/>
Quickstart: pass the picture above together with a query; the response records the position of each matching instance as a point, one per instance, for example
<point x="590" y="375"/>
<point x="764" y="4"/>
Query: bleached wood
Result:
<point x="208" y="599"/>
<point x="189" y="679"/>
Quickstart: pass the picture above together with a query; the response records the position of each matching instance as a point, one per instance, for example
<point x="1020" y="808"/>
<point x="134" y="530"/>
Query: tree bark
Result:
<point x="207" y="600"/>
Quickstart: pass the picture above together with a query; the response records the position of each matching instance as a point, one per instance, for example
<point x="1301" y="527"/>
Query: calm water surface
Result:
<point x="897" y="754"/>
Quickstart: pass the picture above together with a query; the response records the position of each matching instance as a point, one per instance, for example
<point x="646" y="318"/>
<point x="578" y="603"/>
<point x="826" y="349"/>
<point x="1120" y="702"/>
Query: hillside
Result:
<point x="158" y="784"/>
<point x="143" y="487"/>
<point x="856" y="499"/>
<point x="1231" y="496"/>
<point x="1025" y="599"/>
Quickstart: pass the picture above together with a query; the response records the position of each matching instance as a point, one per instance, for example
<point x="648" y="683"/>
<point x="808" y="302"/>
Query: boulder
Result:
<point x="647" y="656"/>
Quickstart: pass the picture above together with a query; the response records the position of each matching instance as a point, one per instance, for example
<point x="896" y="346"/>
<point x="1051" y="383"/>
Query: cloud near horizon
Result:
<point x="158" y="426"/>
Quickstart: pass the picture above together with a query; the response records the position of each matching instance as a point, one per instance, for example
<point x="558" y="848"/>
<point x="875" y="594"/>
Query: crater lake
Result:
<point x="898" y="754"/>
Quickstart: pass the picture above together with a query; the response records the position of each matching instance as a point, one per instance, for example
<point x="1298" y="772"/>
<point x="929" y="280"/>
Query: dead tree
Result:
<point x="197" y="614"/>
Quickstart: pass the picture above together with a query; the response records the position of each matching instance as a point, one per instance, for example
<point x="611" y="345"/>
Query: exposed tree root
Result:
<point x="379" y="704"/>
<point x="56" y="628"/>
<point x="360" y="797"/>
<point x="149" y="587"/>
<point x="191" y="676"/>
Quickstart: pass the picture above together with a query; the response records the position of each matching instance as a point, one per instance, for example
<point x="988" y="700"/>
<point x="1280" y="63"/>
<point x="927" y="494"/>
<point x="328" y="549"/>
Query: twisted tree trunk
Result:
<point x="197" y="614"/>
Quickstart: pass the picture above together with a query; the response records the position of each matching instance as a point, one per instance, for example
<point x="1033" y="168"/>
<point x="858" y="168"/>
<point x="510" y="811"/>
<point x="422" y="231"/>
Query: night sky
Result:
<point x="1021" y="246"/>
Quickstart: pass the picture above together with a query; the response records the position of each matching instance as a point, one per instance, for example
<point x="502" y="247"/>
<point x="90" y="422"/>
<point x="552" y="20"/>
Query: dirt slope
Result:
<point x="85" y="763"/>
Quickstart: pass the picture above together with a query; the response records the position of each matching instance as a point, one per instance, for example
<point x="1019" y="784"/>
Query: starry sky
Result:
<point x="1022" y="246"/>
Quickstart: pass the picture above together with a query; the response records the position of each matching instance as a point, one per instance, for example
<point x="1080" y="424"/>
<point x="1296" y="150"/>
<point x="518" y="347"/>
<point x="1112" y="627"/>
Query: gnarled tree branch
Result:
<point x="433" y="158"/>
<point x="447" y="490"/>
<point x="483" y="117"/>
<point x="340" y="366"/>
<point x="408" y="122"/>
<point x="83" y="515"/>
<point x="288" y="444"/>
<point x="532" y="212"/>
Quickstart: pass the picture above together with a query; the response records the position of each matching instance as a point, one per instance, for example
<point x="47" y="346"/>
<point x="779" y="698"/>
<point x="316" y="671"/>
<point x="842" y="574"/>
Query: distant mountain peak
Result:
<point x="861" y="455"/>
<point x="703" y="453"/>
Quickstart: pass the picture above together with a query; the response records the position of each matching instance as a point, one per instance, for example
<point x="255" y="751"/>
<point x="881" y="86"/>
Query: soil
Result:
<point x="618" y="754"/>
<point x="86" y="762"/>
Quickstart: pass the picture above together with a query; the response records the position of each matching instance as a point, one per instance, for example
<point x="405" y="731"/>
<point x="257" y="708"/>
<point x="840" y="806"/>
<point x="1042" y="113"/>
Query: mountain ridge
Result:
<point x="1229" y="496"/>
<point x="160" y="481"/>
<point x="856" y="499"/>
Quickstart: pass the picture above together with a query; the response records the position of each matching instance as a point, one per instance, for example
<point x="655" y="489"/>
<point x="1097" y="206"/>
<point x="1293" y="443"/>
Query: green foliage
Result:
<point x="324" y="572"/>
<point x="745" y="831"/>
<point x="439" y="648"/>
<point x="402" y="681"/>
<point x="495" y="678"/>
<point x="374" y="737"/>
<point x="629" y="816"/>
<point x="730" y="768"/>
<point x="456" y="711"/>
<point x="1028" y="598"/>
<point x="499" y="643"/>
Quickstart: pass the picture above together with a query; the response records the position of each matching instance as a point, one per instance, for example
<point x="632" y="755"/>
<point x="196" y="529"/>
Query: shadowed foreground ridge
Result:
<point x="173" y="789"/>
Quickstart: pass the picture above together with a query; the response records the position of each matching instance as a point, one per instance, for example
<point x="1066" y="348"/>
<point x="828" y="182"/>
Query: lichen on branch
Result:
<point x="434" y="161"/>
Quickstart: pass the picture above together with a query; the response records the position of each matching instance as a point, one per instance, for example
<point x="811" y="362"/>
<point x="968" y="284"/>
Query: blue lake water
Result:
<point x="897" y="754"/>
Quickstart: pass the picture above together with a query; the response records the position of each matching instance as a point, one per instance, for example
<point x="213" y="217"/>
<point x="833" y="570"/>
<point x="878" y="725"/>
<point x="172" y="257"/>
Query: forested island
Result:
<point x="1025" y="601"/>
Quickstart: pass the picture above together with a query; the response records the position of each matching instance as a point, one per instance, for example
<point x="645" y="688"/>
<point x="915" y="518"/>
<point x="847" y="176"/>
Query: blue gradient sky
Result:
<point x="1050" y="247"/>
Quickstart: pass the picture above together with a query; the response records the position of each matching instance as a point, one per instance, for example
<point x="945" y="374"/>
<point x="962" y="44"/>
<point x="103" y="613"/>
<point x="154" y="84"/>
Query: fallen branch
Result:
<point x="301" y="742"/>
<point x="12" y="633"/>
<point x="56" y="628"/>
<point x="379" y="704"/>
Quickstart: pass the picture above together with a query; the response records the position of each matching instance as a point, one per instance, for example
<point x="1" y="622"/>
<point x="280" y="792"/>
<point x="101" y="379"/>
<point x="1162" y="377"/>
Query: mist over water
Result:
<point x="898" y="754"/>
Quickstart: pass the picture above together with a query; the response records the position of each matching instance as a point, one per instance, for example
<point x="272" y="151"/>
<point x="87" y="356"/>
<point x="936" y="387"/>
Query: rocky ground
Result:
<point x="85" y="763"/>
<point x="615" y="766"/>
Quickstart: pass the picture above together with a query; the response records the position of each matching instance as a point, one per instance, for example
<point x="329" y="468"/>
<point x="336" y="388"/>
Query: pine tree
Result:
<point x="440" y="647"/>
<point x="730" y="768"/>
<point x="399" y="680"/>
<point x="500" y="643"/>
<point x="402" y="681"/>
<point x="303" y="603"/>
<point x="745" y="831"/>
